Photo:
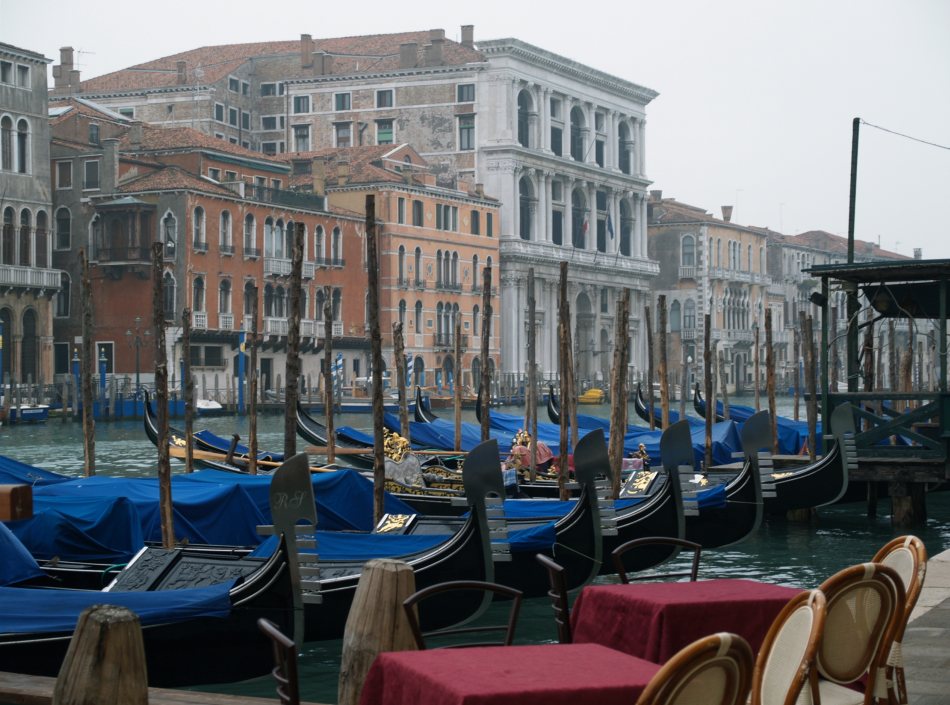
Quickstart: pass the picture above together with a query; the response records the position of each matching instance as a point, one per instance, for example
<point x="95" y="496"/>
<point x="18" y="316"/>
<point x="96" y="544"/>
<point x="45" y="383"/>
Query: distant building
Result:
<point x="28" y="282"/>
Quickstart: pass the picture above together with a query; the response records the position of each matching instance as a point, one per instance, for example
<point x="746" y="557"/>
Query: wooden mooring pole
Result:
<point x="88" y="361"/>
<point x="649" y="380"/>
<point x="376" y="352"/>
<point x="292" y="367"/>
<point x="708" y="386"/>
<point x="618" y="397"/>
<point x="161" y="396"/>
<point x="663" y="372"/>
<point x="188" y="386"/>
<point x="564" y="324"/>
<point x="486" y="368"/>
<point x="531" y="401"/>
<point x="329" y="392"/>
<point x="253" y="382"/>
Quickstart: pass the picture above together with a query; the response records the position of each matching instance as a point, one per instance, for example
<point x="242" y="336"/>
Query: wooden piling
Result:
<point x="564" y="323"/>
<point x="723" y="385"/>
<point x="253" y="382"/>
<point x="811" y="388"/>
<point x="87" y="363"/>
<point x="375" y="623"/>
<point x="618" y="386"/>
<point x="189" y="389"/>
<point x="708" y="386"/>
<point x="485" y="382"/>
<point x="161" y="397"/>
<point x="770" y="379"/>
<point x="531" y="400"/>
<point x="399" y="352"/>
<point x="105" y="660"/>
<point x="292" y="369"/>
<point x="756" y="355"/>
<point x="376" y="353"/>
<point x="797" y="346"/>
<point x="457" y="386"/>
<point x="329" y="393"/>
<point x="663" y="373"/>
<point x="649" y="380"/>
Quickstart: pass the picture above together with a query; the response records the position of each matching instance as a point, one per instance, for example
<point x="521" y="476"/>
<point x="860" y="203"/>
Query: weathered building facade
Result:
<point x="28" y="282"/>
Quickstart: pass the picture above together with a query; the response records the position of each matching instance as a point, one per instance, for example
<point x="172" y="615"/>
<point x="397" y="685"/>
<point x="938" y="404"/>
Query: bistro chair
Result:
<point x="908" y="557"/>
<point x="786" y="661"/>
<point x="714" y="670"/>
<point x="655" y="543"/>
<point x="412" y="604"/>
<point x="285" y="663"/>
<point x="558" y="594"/>
<point x="865" y="608"/>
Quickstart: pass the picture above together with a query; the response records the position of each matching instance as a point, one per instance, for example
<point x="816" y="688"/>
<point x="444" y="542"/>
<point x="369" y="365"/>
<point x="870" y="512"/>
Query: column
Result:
<point x="590" y="242"/>
<point x="544" y="118"/>
<point x="613" y="207"/>
<point x="610" y="148"/>
<point x="641" y="153"/>
<point x="590" y="135"/>
<point x="543" y="211"/>
<point x="568" y="210"/>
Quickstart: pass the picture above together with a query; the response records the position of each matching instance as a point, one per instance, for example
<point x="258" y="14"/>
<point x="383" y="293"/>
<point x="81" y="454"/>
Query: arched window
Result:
<point x="6" y="143"/>
<point x="623" y="149"/>
<point x="418" y="321"/>
<point x="455" y="269"/>
<point x="402" y="313"/>
<point x="579" y="221"/>
<point x="675" y="321"/>
<point x="688" y="251"/>
<point x="418" y="264"/>
<point x="438" y="268"/>
<point x="64" y="222"/>
<point x="23" y="147"/>
<point x="337" y="247"/>
<point x="268" y="237"/>
<point x="29" y="345"/>
<point x="290" y="234"/>
<point x="401" y="262"/>
<point x="168" y="296"/>
<point x="63" y="296"/>
<point x="250" y="236"/>
<point x="476" y="316"/>
<point x="268" y="301"/>
<point x="319" y="245"/>
<point x="198" y="227"/>
<point x="748" y="258"/>
<point x="26" y="230"/>
<point x="626" y="229"/>
<point x="170" y="234"/>
<point x="525" y="201"/>
<point x="337" y="304"/>
<point x="320" y="302"/>
<point x="224" y="296"/>
<point x="250" y="291"/>
<point x="41" y="248"/>
<point x="439" y="331"/>
<point x="277" y="235"/>
<point x="224" y="232"/>
<point x="476" y="276"/>
<point x="524" y="111"/>
<point x="198" y="295"/>
<point x="577" y="134"/>
<point x="280" y="302"/>
<point x="719" y="252"/>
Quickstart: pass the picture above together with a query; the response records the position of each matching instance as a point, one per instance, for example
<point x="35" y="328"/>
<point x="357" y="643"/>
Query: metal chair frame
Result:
<point x="683" y="544"/>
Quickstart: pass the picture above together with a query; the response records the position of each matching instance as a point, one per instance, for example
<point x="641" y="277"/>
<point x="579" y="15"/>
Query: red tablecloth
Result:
<point x="552" y="674"/>
<point x="655" y="620"/>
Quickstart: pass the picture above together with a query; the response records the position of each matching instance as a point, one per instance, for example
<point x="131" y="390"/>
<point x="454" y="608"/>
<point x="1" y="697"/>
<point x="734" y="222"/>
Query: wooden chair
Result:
<point x="786" y="661"/>
<point x="411" y="605"/>
<point x="285" y="663"/>
<point x="908" y="557"/>
<point x="558" y="594"/>
<point x="655" y="542"/>
<point x="865" y="608"/>
<point x="714" y="670"/>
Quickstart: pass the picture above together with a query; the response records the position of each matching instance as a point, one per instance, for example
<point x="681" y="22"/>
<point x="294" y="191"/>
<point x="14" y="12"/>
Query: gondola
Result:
<point x="188" y="608"/>
<point x="699" y="404"/>
<point x="643" y="411"/>
<point x="315" y="432"/>
<point x="554" y="409"/>
<point x="423" y="412"/>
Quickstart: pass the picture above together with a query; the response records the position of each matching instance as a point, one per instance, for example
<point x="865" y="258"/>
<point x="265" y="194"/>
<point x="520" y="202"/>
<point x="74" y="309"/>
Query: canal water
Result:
<point x="790" y="553"/>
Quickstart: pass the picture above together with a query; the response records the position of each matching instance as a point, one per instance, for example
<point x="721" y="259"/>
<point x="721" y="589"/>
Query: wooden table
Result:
<point x="551" y="674"/>
<point x="655" y="620"/>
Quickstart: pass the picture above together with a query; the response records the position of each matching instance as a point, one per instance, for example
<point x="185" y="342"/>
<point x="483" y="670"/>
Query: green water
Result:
<point x="800" y="554"/>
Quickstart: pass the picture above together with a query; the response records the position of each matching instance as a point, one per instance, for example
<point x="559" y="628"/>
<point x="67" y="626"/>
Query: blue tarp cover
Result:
<point x="16" y="563"/>
<point x="26" y="610"/>
<point x="533" y="539"/>
<point x="13" y="472"/>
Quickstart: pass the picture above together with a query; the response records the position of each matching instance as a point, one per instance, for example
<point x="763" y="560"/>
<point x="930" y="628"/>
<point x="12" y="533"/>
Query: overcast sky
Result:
<point x="756" y="97"/>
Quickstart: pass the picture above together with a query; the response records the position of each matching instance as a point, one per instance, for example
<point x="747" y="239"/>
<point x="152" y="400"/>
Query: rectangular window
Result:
<point x="557" y="139"/>
<point x="22" y="76"/>
<point x="599" y="152"/>
<point x="275" y="183"/>
<point x="489" y="222"/>
<point x="476" y="223"/>
<point x="6" y="72"/>
<point x="233" y="140"/>
<point x="599" y="122"/>
<point x="64" y="174"/>
<point x="384" y="132"/>
<point x="417" y="216"/>
<point x="301" y="104"/>
<point x="342" y="132"/>
<point x="466" y="132"/>
<point x="269" y="147"/>
<point x="214" y="174"/>
<point x="61" y="359"/>
<point x="466" y="93"/>
<point x="557" y="227"/>
<point x="245" y="120"/>
<point x="230" y="176"/>
<point x="557" y="191"/>
<point x="401" y="211"/>
<point x="90" y="178"/>
<point x="268" y="89"/>
<point x="245" y="88"/>
<point x="234" y="85"/>
<point x="269" y="122"/>
<point x="233" y="116"/>
<point x="555" y="107"/>
<point x="93" y="133"/>
<point x="219" y="112"/>
<point x="384" y="99"/>
<point x="127" y="112"/>
<point x="341" y="101"/>
<point x="301" y="138"/>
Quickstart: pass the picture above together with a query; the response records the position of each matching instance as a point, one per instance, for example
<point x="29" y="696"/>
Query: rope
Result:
<point x="909" y="137"/>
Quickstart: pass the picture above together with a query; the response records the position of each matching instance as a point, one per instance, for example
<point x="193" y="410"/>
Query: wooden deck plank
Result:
<point x="20" y="689"/>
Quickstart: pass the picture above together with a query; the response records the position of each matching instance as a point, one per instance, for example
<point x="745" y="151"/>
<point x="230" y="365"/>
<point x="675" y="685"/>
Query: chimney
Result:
<point x="433" y="52"/>
<point x="182" y="67"/>
<point x="468" y="36"/>
<point x="342" y="173"/>
<point x="727" y="213"/>
<point x="408" y="55"/>
<point x="918" y="253"/>
<point x="436" y="34"/>
<point x="306" y="51"/>
<point x="327" y="64"/>
<point x="61" y="72"/>
<point x="317" y="62"/>
<point x="480" y="190"/>
<point x="135" y="134"/>
<point x="656" y="195"/>
<point x="318" y="172"/>
<point x="74" y="81"/>
<point x="110" y="164"/>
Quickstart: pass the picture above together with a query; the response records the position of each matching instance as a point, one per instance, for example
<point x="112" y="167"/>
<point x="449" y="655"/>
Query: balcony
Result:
<point x="276" y="326"/>
<point x="336" y="329"/>
<point x="29" y="278"/>
<point x="226" y="321"/>
<point x="309" y="270"/>
<point x="123" y="255"/>
<point x="420" y="284"/>
<point x="738" y="336"/>
<point x="308" y="329"/>
<point x="251" y="253"/>
<point x="199" y="246"/>
<point x="688" y="334"/>
<point x="446" y="286"/>
<point x="402" y="283"/>
<point x="282" y="197"/>
<point x="688" y="272"/>
<point x="199" y="320"/>
<point x="337" y="262"/>
<point x="226" y="249"/>
<point x="276" y="267"/>
<point x="446" y="341"/>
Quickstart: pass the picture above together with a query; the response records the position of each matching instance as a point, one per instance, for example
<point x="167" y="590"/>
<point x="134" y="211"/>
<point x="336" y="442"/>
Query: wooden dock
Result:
<point x="19" y="689"/>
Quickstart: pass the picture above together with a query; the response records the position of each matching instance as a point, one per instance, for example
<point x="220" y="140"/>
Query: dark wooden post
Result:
<point x="161" y="398"/>
<point x="376" y="348"/>
<point x="105" y="660"/>
<point x="811" y="387"/>
<point x="486" y="339"/>
<point x="252" y="385"/>
<point x="293" y="344"/>
<point x="531" y="399"/>
<point x="457" y="387"/>
<point x="189" y="387"/>
<point x="708" y="385"/>
<point x="399" y="352"/>
<point x="564" y="324"/>
<point x="663" y="372"/>
<point x="618" y="386"/>
<point x="88" y="363"/>
<point x="797" y="338"/>
<point x="770" y="378"/>
<point x="723" y="386"/>
<point x="834" y="348"/>
<point x="758" y="379"/>
<point x="329" y="393"/>
<point x="649" y="380"/>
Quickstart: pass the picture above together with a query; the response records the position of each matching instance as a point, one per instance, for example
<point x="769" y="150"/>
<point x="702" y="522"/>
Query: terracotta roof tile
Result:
<point x="157" y="139"/>
<point x="173" y="178"/>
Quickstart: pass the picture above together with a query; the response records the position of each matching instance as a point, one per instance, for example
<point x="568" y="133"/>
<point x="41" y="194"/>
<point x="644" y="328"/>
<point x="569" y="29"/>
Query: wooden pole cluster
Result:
<point x="618" y="383"/>
<point x="457" y="387"/>
<point x="329" y="393"/>
<point x="87" y="364"/>
<point x="161" y="399"/>
<point x="292" y="368"/>
<point x="531" y="400"/>
<point x="399" y="351"/>
<point x="724" y="389"/>
<point x="189" y="390"/>
<point x="253" y="381"/>
<point x="649" y="380"/>
<point x="708" y="386"/>
<point x="485" y="384"/>
<point x="564" y="325"/>
<point x="663" y="371"/>
<point x="376" y="348"/>
<point x="770" y="378"/>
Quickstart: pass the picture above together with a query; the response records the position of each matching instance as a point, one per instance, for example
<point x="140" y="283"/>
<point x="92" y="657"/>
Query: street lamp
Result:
<point x="135" y="338"/>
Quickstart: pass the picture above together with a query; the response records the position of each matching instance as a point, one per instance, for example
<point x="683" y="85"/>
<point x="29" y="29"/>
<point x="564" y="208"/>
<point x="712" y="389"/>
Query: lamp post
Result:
<point x="76" y="377"/>
<point x="102" y="376"/>
<point x="136" y="338"/>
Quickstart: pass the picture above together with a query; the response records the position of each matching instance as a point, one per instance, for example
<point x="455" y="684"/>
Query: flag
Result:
<point x="584" y="226"/>
<point x="610" y="227"/>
